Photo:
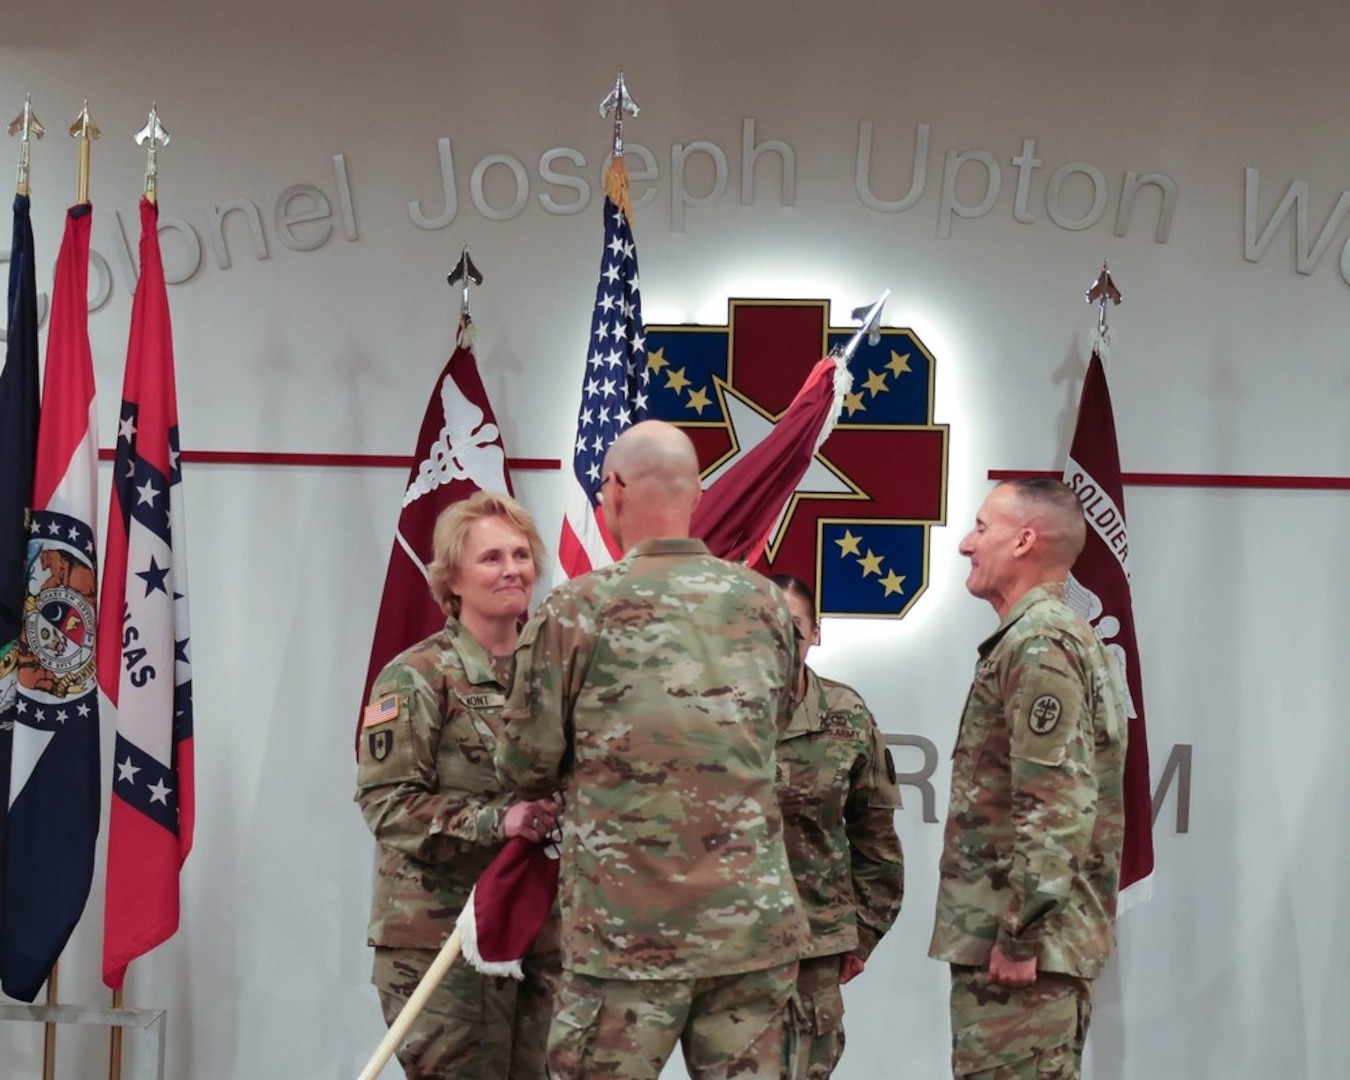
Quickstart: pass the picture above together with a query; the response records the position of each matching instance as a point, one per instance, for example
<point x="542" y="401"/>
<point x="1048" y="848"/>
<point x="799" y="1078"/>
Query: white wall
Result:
<point x="1223" y="365"/>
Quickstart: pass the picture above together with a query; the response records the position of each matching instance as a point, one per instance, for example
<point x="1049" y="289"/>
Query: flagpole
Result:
<point x="49" y="1028"/>
<point x="28" y="127"/>
<point x="83" y="131"/>
<point x="412" y="1009"/>
<point x="154" y="134"/>
<point x="115" y="1042"/>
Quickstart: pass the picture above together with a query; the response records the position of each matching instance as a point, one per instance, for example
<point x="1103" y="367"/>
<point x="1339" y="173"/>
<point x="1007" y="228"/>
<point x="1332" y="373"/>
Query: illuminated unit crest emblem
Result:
<point x="857" y="526"/>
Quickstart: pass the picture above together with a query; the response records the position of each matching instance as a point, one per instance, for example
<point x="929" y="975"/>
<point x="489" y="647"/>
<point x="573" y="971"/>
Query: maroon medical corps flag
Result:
<point x="740" y="508"/>
<point x="143" y="663"/>
<point x="459" y="451"/>
<point x="507" y="907"/>
<point x="1099" y="588"/>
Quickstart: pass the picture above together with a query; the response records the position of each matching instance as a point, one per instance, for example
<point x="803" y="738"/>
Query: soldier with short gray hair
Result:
<point x="1031" y="857"/>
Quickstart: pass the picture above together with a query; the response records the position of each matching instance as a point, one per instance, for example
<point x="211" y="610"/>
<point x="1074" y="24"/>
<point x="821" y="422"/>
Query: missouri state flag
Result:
<point x="54" y="794"/>
<point x="143" y="663"/>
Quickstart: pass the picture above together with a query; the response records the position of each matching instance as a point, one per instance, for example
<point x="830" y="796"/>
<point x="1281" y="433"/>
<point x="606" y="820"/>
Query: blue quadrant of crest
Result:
<point x="845" y="587"/>
<point x="905" y="397"/>
<point x="700" y="356"/>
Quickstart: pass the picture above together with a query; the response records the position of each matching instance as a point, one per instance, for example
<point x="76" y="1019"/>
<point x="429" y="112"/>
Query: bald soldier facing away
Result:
<point x="1031" y="857"/>
<point x="651" y="692"/>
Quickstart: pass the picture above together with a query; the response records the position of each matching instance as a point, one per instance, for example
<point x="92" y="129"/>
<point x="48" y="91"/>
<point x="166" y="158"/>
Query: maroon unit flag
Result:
<point x="459" y="451"/>
<point x="1099" y="588"/>
<point x="143" y="663"/>
<point x="508" y="906"/>
<point x="740" y="508"/>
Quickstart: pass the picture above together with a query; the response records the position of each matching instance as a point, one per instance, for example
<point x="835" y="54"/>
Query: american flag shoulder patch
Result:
<point x="380" y="712"/>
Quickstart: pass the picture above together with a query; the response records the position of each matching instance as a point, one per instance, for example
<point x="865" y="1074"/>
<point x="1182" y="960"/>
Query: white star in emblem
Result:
<point x="53" y="528"/>
<point x="127" y="771"/>
<point x="159" y="792"/>
<point x="148" y="494"/>
<point x="83" y="710"/>
<point x="750" y="427"/>
<point x="73" y="533"/>
<point x="126" y="428"/>
<point x="62" y="717"/>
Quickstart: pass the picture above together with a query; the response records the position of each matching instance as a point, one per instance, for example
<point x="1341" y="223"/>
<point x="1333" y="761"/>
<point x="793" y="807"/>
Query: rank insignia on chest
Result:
<point x="836" y="726"/>
<point x="380" y="743"/>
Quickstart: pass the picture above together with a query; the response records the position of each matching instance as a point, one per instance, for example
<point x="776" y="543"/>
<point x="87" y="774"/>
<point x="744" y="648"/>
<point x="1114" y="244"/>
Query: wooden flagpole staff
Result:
<point x="413" y="1008"/>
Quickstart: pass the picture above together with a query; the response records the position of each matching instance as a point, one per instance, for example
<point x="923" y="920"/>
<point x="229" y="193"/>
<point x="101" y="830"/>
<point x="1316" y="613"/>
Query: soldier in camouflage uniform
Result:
<point x="430" y="793"/>
<point x="653" y="690"/>
<point x="1031" y="857"/>
<point x="836" y="786"/>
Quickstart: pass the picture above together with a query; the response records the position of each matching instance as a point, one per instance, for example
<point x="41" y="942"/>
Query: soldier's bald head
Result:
<point x="1052" y="509"/>
<point x="657" y="458"/>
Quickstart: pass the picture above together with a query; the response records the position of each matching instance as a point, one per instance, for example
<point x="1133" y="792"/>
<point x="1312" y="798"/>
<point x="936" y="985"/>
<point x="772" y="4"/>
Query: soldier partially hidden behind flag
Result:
<point x="837" y="789"/>
<point x="652" y="691"/>
<point x="427" y="787"/>
<point x="1031" y="858"/>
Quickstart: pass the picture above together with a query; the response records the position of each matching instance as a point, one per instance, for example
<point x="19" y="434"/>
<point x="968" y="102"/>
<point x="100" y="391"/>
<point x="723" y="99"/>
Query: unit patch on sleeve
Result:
<point x="1044" y="714"/>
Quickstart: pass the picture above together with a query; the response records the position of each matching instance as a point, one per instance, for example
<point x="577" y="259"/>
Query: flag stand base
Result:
<point x="149" y="1060"/>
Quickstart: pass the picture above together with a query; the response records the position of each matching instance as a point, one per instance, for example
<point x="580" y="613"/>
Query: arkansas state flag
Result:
<point x="459" y="451"/>
<point x="143" y="663"/>
<point x="1099" y="588"/>
<point x="52" y="824"/>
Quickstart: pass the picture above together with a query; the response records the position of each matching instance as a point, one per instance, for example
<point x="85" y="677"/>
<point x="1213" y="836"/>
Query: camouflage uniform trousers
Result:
<point x="474" y="1027"/>
<point x="1034" y="1032"/>
<point x="626" y="1029"/>
<point x="817" y="1020"/>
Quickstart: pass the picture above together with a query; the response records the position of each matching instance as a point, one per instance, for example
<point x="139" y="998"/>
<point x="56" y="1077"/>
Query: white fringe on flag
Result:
<point x="467" y="924"/>
<point x="843" y="383"/>
<point x="1101" y="343"/>
<point x="468" y="335"/>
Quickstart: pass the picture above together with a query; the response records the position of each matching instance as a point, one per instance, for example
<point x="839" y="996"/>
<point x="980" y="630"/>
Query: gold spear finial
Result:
<point x="27" y="127"/>
<point x="154" y="134"/>
<point x="84" y="131"/>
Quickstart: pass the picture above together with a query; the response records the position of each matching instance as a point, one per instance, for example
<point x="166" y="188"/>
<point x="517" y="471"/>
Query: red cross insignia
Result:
<point x="857" y="527"/>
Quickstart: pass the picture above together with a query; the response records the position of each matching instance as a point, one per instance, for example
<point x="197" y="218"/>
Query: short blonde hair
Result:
<point x="452" y="529"/>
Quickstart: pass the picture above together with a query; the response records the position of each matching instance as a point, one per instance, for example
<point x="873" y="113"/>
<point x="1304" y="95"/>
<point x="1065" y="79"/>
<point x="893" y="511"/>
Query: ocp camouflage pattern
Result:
<point x="652" y="691"/>
<point x="1031" y="853"/>
<point x="837" y="789"/>
<point x="432" y="798"/>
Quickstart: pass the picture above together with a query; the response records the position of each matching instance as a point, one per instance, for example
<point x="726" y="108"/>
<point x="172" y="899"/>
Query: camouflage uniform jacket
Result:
<point x="1031" y="855"/>
<point x="836" y="786"/>
<point x="427" y="786"/>
<point x="652" y="690"/>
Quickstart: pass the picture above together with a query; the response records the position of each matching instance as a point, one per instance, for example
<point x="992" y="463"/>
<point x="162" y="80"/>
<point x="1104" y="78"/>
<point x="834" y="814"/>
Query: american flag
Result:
<point x="614" y="389"/>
